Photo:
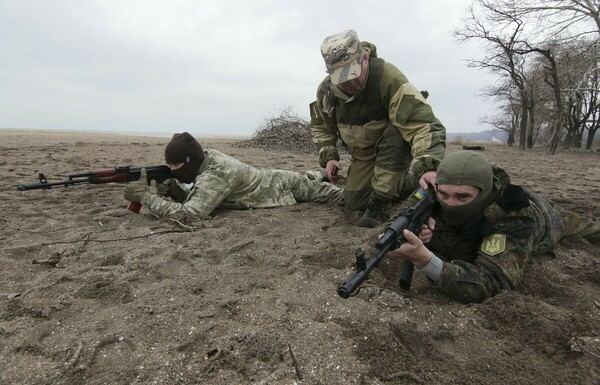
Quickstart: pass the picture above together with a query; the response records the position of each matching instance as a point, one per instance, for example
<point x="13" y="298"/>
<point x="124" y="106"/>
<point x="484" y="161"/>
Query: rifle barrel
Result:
<point x="107" y="175"/>
<point x="49" y="185"/>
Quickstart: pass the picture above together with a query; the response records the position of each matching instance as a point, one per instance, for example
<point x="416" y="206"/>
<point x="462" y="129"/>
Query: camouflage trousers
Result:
<point x="309" y="187"/>
<point x="580" y="225"/>
<point x="382" y="168"/>
<point x="556" y="223"/>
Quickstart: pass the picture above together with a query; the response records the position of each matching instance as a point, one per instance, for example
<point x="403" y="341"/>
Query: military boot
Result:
<point x="377" y="212"/>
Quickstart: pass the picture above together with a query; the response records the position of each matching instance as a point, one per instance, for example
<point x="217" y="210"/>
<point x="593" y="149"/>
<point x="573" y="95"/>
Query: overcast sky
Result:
<point x="214" y="67"/>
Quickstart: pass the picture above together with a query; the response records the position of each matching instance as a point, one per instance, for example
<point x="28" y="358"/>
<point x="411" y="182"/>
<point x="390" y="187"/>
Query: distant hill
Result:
<point x="482" y="136"/>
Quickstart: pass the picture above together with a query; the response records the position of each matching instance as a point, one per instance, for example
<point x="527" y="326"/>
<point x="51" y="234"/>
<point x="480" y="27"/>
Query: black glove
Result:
<point x="169" y="187"/>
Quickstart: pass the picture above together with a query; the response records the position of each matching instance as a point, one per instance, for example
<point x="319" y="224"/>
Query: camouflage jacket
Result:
<point x="490" y="252"/>
<point x="226" y="182"/>
<point x="359" y="120"/>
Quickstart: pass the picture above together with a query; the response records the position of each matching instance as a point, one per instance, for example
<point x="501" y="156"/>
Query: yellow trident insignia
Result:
<point x="494" y="244"/>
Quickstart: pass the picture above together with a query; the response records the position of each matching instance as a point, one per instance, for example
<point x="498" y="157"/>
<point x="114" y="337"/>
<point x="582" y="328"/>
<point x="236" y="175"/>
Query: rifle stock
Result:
<point x="411" y="218"/>
<point x="107" y="175"/>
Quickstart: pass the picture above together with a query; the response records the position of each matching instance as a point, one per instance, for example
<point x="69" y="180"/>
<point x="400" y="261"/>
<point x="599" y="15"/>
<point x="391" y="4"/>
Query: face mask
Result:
<point x="186" y="173"/>
<point x="466" y="168"/>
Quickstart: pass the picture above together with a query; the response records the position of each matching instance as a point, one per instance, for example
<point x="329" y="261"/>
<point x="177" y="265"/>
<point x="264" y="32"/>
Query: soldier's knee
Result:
<point x="357" y="200"/>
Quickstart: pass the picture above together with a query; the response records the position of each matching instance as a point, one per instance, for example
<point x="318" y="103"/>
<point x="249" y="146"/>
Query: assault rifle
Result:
<point x="108" y="175"/>
<point x="411" y="218"/>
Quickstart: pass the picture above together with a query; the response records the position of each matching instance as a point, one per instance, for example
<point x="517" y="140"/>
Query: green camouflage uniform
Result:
<point x="388" y="128"/>
<point x="226" y="182"/>
<point x="489" y="253"/>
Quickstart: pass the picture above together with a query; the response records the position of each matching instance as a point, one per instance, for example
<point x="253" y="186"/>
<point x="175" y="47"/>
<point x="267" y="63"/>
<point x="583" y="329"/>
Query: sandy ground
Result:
<point x="91" y="293"/>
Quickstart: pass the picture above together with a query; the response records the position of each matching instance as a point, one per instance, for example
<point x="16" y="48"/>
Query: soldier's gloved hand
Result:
<point x="169" y="187"/>
<point x="134" y="191"/>
<point x="164" y="188"/>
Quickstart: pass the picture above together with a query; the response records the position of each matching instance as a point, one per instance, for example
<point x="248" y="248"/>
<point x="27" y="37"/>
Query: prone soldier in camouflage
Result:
<point x="384" y="122"/>
<point x="205" y="180"/>
<point x="484" y="230"/>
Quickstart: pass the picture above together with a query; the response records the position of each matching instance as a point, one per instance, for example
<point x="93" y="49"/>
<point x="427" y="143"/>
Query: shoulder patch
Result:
<point x="493" y="244"/>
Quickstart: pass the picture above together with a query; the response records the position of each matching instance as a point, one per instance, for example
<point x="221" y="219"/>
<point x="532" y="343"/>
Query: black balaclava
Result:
<point x="183" y="148"/>
<point x="466" y="168"/>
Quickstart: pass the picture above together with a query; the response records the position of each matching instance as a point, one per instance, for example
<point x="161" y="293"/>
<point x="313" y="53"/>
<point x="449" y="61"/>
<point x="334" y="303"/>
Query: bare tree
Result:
<point x="509" y="115"/>
<point x="545" y="30"/>
<point x="552" y="79"/>
<point x="500" y="32"/>
<point x="568" y="24"/>
<point x="592" y="123"/>
<point x="592" y="127"/>
<point x="584" y="93"/>
<point x="562" y="17"/>
<point x="576" y="61"/>
<point x="504" y="122"/>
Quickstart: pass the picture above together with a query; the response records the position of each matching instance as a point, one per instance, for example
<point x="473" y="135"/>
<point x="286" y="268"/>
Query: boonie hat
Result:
<point x="342" y="53"/>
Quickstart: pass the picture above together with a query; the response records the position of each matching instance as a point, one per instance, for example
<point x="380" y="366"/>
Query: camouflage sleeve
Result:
<point x="498" y="266"/>
<point x="414" y="118"/>
<point x="324" y="130"/>
<point x="206" y="195"/>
